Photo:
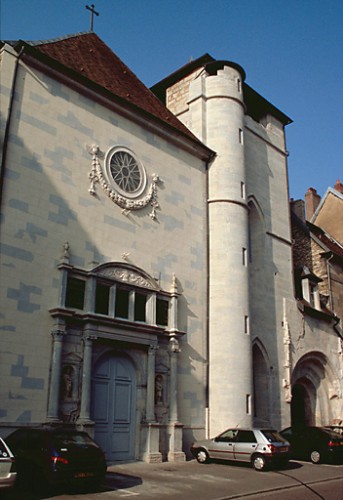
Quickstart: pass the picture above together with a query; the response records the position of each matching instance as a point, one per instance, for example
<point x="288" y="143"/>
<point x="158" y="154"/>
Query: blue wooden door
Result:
<point x="113" y="407"/>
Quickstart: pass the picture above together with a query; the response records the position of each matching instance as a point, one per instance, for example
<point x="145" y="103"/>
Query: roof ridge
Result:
<point x="34" y="43"/>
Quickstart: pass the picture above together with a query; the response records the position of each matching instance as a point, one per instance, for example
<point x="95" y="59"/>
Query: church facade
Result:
<point x="147" y="288"/>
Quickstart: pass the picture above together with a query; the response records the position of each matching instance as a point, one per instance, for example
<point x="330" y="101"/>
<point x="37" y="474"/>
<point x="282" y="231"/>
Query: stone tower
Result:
<point x="210" y="102"/>
<point x="249" y="244"/>
<point x="218" y="96"/>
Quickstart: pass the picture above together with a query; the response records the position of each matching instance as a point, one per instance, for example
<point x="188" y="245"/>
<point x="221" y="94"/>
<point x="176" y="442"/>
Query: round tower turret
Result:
<point x="218" y="99"/>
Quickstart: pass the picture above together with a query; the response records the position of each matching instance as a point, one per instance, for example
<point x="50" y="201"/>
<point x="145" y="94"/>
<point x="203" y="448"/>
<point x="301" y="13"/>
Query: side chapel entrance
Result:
<point x="113" y="406"/>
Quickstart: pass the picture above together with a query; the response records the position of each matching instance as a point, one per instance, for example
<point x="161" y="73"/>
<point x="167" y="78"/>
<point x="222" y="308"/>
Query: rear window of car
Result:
<point x="273" y="436"/>
<point x="328" y="433"/>
<point x="65" y="439"/>
<point x="3" y="450"/>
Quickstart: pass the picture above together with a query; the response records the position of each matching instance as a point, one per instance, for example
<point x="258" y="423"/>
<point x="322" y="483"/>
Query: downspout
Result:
<point x="8" y="126"/>
<point x="287" y="342"/>
<point x="329" y="280"/>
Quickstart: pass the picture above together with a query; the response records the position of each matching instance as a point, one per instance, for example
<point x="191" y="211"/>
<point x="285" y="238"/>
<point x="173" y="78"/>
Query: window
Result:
<point x="162" y="312"/>
<point x="125" y="172"/>
<point x="244" y="256"/>
<point x="102" y="296"/>
<point x="248" y="404"/>
<point x="240" y="136"/>
<point x="246" y="437"/>
<point x="228" y="436"/>
<point x="75" y="294"/>
<point x="105" y="295"/>
<point x="313" y="290"/>
<point x="246" y="325"/>
<point x="140" y="309"/>
<point x="122" y="303"/>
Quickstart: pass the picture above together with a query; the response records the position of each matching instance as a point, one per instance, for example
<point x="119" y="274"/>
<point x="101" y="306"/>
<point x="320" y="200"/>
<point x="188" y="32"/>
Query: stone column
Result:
<point x="56" y="367"/>
<point x="151" y="427"/>
<point x="175" y="453"/>
<point x="174" y="349"/>
<point x="173" y="308"/>
<point x="150" y="390"/>
<point x="64" y="267"/>
<point x="84" y="417"/>
<point x="90" y="295"/>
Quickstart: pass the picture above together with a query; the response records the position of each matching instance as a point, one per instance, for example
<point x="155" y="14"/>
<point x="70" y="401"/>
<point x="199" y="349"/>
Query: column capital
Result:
<point x="58" y="334"/>
<point x="89" y="337"/>
<point x="174" y="346"/>
<point x="152" y="349"/>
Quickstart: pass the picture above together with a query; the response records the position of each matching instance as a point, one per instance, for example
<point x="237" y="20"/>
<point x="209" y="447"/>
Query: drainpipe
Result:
<point x="287" y="342"/>
<point x="8" y="126"/>
<point x="329" y="281"/>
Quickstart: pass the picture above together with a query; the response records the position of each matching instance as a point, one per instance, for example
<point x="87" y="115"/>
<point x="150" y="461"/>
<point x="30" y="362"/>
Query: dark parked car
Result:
<point x="49" y="457"/>
<point x="318" y="444"/>
<point x="260" y="447"/>
<point x="8" y="471"/>
<point x="336" y="428"/>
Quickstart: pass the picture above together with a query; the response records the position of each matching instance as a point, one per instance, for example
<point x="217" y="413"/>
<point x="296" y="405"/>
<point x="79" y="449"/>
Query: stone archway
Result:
<point x="312" y="384"/>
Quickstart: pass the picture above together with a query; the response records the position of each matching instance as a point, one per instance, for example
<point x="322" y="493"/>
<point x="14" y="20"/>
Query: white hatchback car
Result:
<point x="8" y="472"/>
<point x="258" y="446"/>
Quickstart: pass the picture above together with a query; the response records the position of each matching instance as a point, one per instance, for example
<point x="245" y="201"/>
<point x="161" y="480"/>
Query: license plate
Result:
<point x="83" y="474"/>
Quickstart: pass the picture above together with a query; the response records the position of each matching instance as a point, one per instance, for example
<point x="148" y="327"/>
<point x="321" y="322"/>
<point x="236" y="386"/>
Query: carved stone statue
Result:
<point x="159" y="389"/>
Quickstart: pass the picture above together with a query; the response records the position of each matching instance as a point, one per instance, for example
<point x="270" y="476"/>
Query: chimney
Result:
<point x="312" y="200"/>
<point x="339" y="186"/>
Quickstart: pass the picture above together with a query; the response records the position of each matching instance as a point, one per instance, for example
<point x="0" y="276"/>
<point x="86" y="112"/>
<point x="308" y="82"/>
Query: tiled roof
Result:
<point x="86" y="54"/>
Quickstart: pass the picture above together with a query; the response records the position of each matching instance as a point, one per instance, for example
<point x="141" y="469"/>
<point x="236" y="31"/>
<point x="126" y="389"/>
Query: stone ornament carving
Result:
<point x="128" y="276"/>
<point x="123" y="179"/>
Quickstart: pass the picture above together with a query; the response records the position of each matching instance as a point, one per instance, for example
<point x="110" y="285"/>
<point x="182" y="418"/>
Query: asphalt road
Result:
<point x="213" y="481"/>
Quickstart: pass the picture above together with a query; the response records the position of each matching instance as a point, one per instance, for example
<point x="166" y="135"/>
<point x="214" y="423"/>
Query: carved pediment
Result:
<point x="128" y="274"/>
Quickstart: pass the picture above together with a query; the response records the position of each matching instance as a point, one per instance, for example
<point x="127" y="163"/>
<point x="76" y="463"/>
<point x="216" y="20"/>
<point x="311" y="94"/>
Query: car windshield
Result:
<point x="65" y="439"/>
<point x="273" y="436"/>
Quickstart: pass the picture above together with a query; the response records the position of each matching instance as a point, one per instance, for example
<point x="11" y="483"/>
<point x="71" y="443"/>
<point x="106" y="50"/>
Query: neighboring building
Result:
<point x="317" y="342"/>
<point x="146" y="252"/>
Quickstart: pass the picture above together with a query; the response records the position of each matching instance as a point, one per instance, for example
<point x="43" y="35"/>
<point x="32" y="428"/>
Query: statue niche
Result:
<point x="69" y="393"/>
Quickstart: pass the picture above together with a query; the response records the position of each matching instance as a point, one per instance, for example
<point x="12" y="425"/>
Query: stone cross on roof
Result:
<point x="93" y="11"/>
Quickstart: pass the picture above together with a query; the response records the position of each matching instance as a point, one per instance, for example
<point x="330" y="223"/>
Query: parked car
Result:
<point x="56" y="456"/>
<point x="8" y="472"/>
<point x="317" y="444"/>
<point x="336" y="428"/>
<point x="261" y="447"/>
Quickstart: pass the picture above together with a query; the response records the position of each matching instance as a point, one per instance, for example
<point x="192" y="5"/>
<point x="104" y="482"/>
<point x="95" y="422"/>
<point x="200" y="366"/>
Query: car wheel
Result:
<point x="315" y="456"/>
<point x="201" y="456"/>
<point x="258" y="462"/>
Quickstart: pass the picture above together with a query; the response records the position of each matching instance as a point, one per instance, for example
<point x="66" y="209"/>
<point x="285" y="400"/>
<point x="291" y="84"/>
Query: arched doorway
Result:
<point x="303" y="403"/>
<point x="113" y="406"/>
<point x="312" y="390"/>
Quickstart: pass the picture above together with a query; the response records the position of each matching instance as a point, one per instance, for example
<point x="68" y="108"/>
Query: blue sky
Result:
<point x="291" y="50"/>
